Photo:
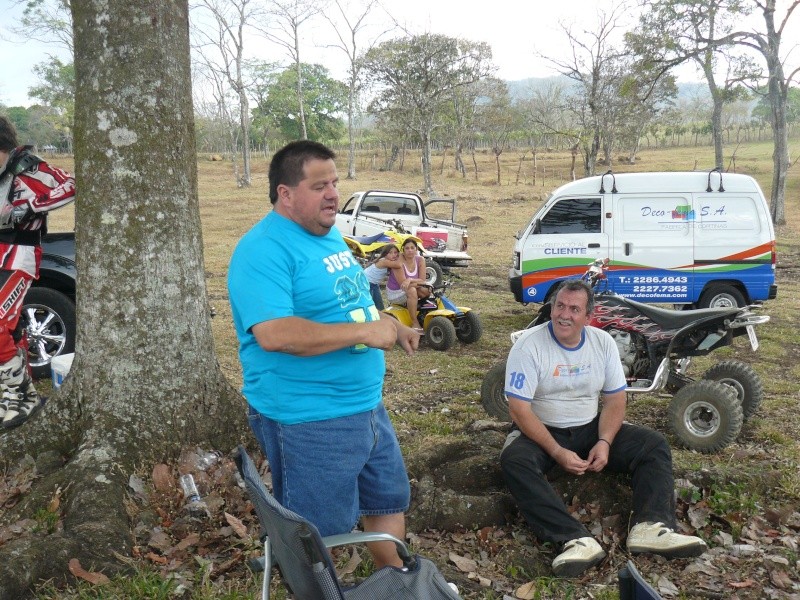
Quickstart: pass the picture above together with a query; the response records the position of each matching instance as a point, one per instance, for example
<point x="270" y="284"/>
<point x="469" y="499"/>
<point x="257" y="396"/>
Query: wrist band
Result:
<point x="604" y="440"/>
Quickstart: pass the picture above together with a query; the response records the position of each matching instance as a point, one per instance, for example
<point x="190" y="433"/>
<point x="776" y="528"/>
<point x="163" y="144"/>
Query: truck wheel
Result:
<point x="441" y="333"/>
<point x="744" y="381"/>
<point x="48" y="317"/>
<point x="721" y="296"/>
<point x="492" y="396"/>
<point x="469" y="328"/>
<point x="434" y="275"/>
<point x="705" y="415"/>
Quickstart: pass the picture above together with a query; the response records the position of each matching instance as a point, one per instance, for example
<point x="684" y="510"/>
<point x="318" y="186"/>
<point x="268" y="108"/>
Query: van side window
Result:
<point x="573" y="215"/>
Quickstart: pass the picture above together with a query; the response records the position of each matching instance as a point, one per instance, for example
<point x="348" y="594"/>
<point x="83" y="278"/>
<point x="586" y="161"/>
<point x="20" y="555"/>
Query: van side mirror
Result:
<point x="537" y="226"/>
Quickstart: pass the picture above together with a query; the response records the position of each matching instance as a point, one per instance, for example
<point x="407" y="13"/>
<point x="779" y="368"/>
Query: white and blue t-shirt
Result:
<point x="278" y="270"/>
<point x="563" y="384"/>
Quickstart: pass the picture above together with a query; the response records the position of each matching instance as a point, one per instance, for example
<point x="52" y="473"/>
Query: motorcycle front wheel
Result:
<point x="706" y="415"/>
<point x="492" y="397"/>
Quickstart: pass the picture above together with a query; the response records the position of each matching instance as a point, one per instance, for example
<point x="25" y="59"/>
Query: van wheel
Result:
<point x="721" y="296"/>
<point x="434" y="274"/>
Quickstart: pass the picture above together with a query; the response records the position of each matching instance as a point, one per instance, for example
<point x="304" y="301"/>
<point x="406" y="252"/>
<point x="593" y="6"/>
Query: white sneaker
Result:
<point x="4" y="404"/>
<point x="20" y="406"/>
<point x="660" y="539"/>
<point x="453" y="586"/>
<point x="577" y="556"/>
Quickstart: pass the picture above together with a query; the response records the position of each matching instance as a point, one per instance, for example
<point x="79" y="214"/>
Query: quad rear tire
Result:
<point x="469" y="328"/>
<point x="441" y="333"/>
<point x="743" y="379"/>
<point x="492" y="397"/>
<point x="706" y="415"/>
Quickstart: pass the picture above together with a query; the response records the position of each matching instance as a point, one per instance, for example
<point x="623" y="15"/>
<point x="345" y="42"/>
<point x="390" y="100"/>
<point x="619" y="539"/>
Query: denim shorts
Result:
<point x="333" y="471"/>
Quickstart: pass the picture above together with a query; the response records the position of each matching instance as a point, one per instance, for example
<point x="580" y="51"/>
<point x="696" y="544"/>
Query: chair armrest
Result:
<point x="361" y="537"/>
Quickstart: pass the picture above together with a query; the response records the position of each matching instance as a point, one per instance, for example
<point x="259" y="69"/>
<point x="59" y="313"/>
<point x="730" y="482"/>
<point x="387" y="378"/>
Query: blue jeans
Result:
<point x="333" y="471"/>
<point x="375" y="292"/>
<point x="638" y="451"/>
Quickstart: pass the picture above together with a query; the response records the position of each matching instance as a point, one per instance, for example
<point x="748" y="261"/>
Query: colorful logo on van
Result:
<point x="683" y="213"/>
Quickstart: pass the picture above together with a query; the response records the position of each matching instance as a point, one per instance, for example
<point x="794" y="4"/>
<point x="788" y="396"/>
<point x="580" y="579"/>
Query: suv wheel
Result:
<point x="48" y="317"/>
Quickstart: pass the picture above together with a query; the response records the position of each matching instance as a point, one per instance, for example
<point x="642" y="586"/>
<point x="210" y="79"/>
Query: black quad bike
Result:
<point x="656" y="346"/>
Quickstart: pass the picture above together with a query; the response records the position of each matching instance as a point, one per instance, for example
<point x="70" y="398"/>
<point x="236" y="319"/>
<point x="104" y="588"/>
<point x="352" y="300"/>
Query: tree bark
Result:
<point x="778" y="93"/>
<point x="426" y="162"/>
<point x="145" y="381"/>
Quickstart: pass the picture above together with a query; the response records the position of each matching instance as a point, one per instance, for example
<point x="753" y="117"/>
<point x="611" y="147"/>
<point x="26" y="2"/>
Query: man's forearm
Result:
<point x="302" y="337"/>
<point x="611" y="416"/>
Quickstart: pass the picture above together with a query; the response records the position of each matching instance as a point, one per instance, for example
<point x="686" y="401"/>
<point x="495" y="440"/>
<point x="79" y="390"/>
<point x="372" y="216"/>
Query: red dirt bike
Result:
<point x="656" y="346"/>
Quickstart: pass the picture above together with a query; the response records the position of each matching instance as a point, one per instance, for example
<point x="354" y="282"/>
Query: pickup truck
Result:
<point x="375" y="211"/>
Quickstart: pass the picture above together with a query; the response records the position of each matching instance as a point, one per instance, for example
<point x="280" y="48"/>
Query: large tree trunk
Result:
<point x="778" y="93"/>
<point x="351" y="138"/>
<point x="426" y="162"/>
<point x="145" y="381"/>
<point x="244" y="123"/>
<point x="590" y="151"/>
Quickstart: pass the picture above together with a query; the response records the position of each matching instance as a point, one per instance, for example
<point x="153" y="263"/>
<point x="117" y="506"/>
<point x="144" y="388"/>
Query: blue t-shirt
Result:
<point x="278" y="270"/>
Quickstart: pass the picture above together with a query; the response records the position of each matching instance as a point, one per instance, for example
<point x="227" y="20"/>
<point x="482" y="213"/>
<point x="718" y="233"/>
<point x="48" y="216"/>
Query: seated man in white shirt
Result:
<point x="555" y="375"/>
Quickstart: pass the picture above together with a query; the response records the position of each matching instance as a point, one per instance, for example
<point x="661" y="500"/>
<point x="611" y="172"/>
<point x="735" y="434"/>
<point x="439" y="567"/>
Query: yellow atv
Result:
<point x="442" y="321"/>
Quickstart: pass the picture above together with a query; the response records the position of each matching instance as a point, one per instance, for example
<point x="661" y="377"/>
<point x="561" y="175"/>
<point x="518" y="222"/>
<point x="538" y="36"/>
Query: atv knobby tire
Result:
<point x="743" y="379"/>
<point x="492" y="396"/>
<point x="706" y="415"/>
<point x="469" y="328"/>
<point x="441" y="333"/>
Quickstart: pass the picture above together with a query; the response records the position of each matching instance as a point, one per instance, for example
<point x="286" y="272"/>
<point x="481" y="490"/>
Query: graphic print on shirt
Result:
<point x="348" y="290"/>
<point x="338" y="262"/>
<point x="572" y="370"/>
<point x="362" y="315"/>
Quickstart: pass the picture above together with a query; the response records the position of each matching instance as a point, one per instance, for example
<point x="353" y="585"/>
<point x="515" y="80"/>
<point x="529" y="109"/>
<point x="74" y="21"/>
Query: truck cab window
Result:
<point x="349" y="206"/>
<point x="573" y="215"/>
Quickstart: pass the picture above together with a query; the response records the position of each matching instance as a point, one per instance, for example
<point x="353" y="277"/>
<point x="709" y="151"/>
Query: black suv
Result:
<point x="48" y="313"/>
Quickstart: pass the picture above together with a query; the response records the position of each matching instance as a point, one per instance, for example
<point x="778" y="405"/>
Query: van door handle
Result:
<point x="594" y="245"/>
<point x="628" y="248"/>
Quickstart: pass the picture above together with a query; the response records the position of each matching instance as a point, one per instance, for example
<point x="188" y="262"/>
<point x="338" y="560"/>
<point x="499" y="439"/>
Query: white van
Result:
<point x="704" y="239"/>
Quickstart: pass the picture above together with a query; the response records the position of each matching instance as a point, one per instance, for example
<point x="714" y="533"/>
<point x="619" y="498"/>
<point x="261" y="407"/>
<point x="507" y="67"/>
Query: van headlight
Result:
<point x="516" y="261"/>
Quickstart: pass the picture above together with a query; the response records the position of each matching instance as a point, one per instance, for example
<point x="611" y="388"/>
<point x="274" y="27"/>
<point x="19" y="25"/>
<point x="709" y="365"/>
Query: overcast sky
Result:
<point x="516" y="31"/>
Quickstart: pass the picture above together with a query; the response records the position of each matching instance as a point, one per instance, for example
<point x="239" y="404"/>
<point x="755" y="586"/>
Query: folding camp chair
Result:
<point x="632" y="585"/>
<point x="294" y="545"/>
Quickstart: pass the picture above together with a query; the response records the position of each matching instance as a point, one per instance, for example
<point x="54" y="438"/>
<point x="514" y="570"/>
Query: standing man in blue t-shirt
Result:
<point x="311" y="344"/>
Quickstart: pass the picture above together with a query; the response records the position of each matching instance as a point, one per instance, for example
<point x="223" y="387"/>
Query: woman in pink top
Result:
<point x="406" y="284"/>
